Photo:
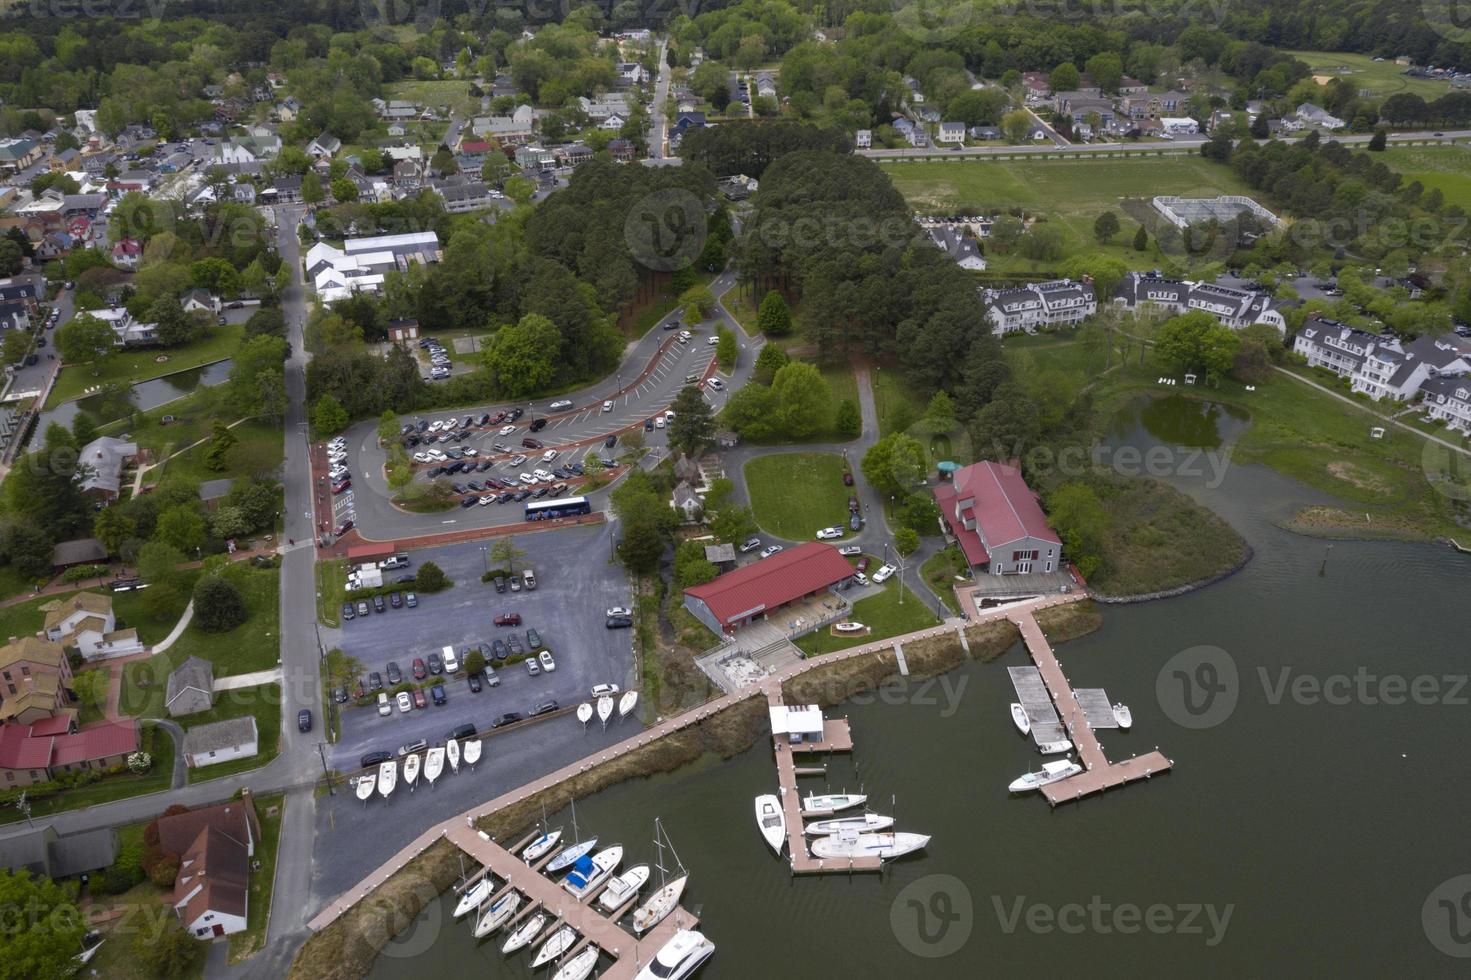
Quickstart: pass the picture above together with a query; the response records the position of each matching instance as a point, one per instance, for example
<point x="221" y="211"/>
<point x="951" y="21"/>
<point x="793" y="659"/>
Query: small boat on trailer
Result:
<point x="452" y="753"/>
<point x="627" y="703"/>
<point x="605" y="710"/>
<point x="584" y="713"/>
<point x="411" y="770"/>
<point x="433" y="763"/>
<point x="365" y="787"/>
<point x="849" y="627"/>
<point x="472" y="751"/>
<point x="387" y="778"/>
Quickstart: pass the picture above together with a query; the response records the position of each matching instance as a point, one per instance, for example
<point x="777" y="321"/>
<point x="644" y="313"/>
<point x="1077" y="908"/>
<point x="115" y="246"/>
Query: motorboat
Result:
<point x="679" y="957"/>
<point x="411" y="770"/>
<point x="771" y="820"/>
<point x="364" y="787"/>
<point x="605" y="709"/>
<point x="584" y="713"/>
<point x="1050" y="772"/>
<point x="557" y="944"/>
<point x="624" y="887"/>
<point x="867" y="823"/>
<point x="387" y="777"/>
<point x="831" y="802"/>
<point x="471" y="751"/>
<point x="627" y="703"/>
<point x="452" y="753"/>
<point x="540" y="846"/>
<point x="525" y="933"/>
<point x="475" y="896"/>
<point x="1123" y="716"/>
<point x="849" y="627"/>
<point x="851" y="844"/>
<point x="580" y="966"/>
<point x="571" y="854"/>
<point x="433" y="763"/>
<point x="1019" y="718"/>
<point x="498" y="914"/>
<point x="1052" y="748"/>
<point x="590" y="872"/>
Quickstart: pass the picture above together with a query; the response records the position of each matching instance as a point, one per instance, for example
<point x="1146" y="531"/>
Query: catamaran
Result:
<point x="525" y="933"/>
<point x="411" y="770"/>
<point x="540" y="846"/>
<point x="579" y="966"/>
<point x="868" y="823"/>
<point x="584" y="713"/>
<point x="387" y="778"/>
<point x="627" y="703"/>
<point x="433" y="764"/>
<point x="1019" y="718"/>
<point x="590" y="872"/>
<point x="452" y="753"/>
<point x="1123" y="716"/>
<point x="474" y="896"/>
<point x="831" y="802"/>
<point x="623" y="887"/>
<point x="557" y="944"/>
<point x="666" y="899"/>
<point x="772" y="821"/>
<point x="605" y="709"/>
<point x="679" y="957"/>
<point x="851" y="844"/>
<point x="1050" y="772"/>
<point x="472" y="752"/>
<point x="364" y="787"/>
<point x="498" y="914"/>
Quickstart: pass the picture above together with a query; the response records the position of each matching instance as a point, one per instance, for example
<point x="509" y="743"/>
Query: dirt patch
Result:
<point x="1359" y="477"/>
<point x="1068" y="622"/>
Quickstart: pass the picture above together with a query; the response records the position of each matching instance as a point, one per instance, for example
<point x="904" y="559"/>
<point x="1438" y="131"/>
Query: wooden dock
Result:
<point x="1099" y="774"/>
<point x="1097" y="708"/>
<point x="1042" y="721"/>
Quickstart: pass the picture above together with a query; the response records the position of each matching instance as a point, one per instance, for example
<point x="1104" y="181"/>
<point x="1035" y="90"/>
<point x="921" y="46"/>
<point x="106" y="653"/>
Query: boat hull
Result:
<point x="540" y="846"/>
<point x="565" y="859"/>
<point x="1019" y="718"/>
<point x="771" y="821"/>
<point x="832" y="803"/>
<point x="579" y="966"/>
<point x="474" y="895"/>
<point x="525" y="934"/>
<point x="868" y="823"/>
<point x="623" y="887"/>
<point x="1051" y="773"/>
<point x="885" y="846"/>
<point x="498" y="914"/>
<point x="557" y="944"/>
<point x="659" y="905"/>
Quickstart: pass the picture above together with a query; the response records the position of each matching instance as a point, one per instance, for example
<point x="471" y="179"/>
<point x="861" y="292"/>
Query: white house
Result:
<point x="1061" y="301"/>
<point x="1448" y="399"/>
<point x="129" y="332"/>
<point x="1311" y="115"/>
<point x="200" y="300"/>
<point x="951" y="132"/>
<point x="359" y="266"/>
<point x="1378" y="366"/>
<point x="1178" y="126"/>
<point x="1232" y="307"/>
<point x="962" y="248"/>
<point x="863" y="139"/>
<point x="86" y="621"/>
<point x="221" y="741"/>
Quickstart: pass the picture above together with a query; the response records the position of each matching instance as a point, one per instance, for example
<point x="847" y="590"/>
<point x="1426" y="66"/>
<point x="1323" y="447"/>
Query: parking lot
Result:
<point x="576" y="583"/>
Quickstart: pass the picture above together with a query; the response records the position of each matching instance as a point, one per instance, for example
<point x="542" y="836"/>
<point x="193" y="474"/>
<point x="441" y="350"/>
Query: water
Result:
<point x="1322" y="827"/>
<point x="147" y="394"/>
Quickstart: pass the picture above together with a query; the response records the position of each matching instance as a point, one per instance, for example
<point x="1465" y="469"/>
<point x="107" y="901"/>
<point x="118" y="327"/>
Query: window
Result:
<point x="1024" y="555"/>
<point x="1049" y="566"/>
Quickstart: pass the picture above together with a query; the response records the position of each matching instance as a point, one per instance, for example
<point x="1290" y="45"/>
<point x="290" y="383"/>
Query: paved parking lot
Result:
<point x="577" y="581"/>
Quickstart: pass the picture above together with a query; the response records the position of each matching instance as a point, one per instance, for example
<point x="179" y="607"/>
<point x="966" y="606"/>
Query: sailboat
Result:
<point x="605" y="709"/>
<point x="1051" y="772"/>
<point x="452" y="753"/>
<point x="666" y="899"/>
<point x="1123" y="716"/>
<point x="472" y="752"/>
<point x="565" y="859"/>
<point x="831" y="802"/>
<point x="474" y="896"/>
<point x="557" y="944"/>
<point x="627" y="703"/>
<point x="590" y="872"/>
<point x="772" y="821"/>
<point x="411" y="770"/>
<point x="579" y="966"/>
<point x="541" y="845"/>
<point x="623" y="887"/>
<point x="525" y="933"/>
<point x="498" y="914"/>
<point x="584" y="713"/>
<point x="433" y="764"/>
<point x="851" y="844"/>
<point x="1019" y="718"/>
<point x="867" y="823"/>
<point x="365" y="787"/>
<point x="387" y="778"/>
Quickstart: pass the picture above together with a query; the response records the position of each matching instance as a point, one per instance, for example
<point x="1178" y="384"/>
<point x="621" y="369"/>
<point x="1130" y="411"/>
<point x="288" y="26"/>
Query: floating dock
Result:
<point x="1041" y="716"/>
<point x="1097" y="708"/>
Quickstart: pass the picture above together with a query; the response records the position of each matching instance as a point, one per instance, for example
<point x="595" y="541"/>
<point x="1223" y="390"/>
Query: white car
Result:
<point x="421" y="457"/>
<point x="507" y="430"/>
<point x="469" y="451"/>
<point x="850" y="549"/>
<point x="549" y="455"/>
<point x="620" y="611"/>
<point x="860" y="578"/>
<point x="438" y="456"/>
<point x="883" y="574"/>
<point x="547" y="663"/>
<point x="713" y="341"/>
<point x="542" y="476"/>
<point x="385" y="707"/>
<point x="716" y="384"/>
<point x="829" y="532"/>
<point x="435" y="426"/>
<point x="685" y="335"/>
<point x="405" y="703"/>
<point x="751" y="545"/>
<point x="607" y="406"/>
<point x="605" y="690"/>
<point x="516" y="460"/>
<point x="669" y="415"/>
<point x="659" y="422"/>
<point x="528" y="479"/>
<point x="770" y="550"/>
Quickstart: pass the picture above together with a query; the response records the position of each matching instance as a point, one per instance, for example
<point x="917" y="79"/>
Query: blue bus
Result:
<point x="541" y="510"/>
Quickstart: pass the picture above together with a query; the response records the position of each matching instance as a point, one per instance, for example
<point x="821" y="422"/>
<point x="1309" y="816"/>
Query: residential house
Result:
<point x="988" y="509"/>
<point x="612" y="123"/>
<point x="65" y="161"/>
<point x="200" y="300"/>
<point x="18" y="153"/>
<point x="1039" y="304"/>
<point x="191" y="688"/>
<point x="41" y="751"/>
<point x="962" y="248"/>
<point x="684" y="122"/>
<point x="913" y="134"/>
<point x="632" y="73"/>
<point x="687" y="502"/>
<point x="360" y="264"/>
<point x="86" y="621"/>
<point x="221" y="741"/>
<point x="916" y="94"/>
<point x="1179" y="126"/>
<point x="34" y="675"/>
<point x="77" y="551"/>
<point x="765" y="84"/>
<point x="248" y="149"/>
<point x="1078" y="107"/>
<point x="985" y="132"/>
<point x="1035" y="85"/>
<point x="408" y="173"/>
<point x="1132" y="86"/>
<point x="214" y="846"/>
<point x="573" y="154"/>
<point x="464" y="196"/>
<point x="1317" y="117"/>
<point x="325" y="145"/>
<point x="44" y="853"/>
<point x="863" y="139"/>
<point x="1232" y="307"/>
<point x="1379" y="366"/>
<point x="531" y="158"/>
<point x="396" y="109"/>
<point x="1155" y="105"/>
<point x="403" y="332"/>
<point x="951" y="132"/>
<point x="1448" y="399"/>
<point x="105" y="458"/>
<point x="621" y="150"/>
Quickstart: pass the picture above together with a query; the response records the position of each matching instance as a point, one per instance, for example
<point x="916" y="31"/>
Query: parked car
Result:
<point x="619" y="611"/>
<point x="544" y="707"/>
<point x="385" y="707"/>
<point x="437" y="693"/>
<point x="862" y="565"/>
<point x="533" y="640"/>
<point x="339" y="694"/>
<point x="500" y="583"/>
<point x="394" y="674"/>
<point x="883" y="574"/>
<point x="466" y="730"/>
<point x="515" y="583"/>
<point x="532" y="667"/>
<point x="375" y="759"/>
<point x="436" y="666"/>
<point x="508" y="619"/>
<point x="605" y="690"/>
<point x="829" y="532"/>
<point x="850" y="550"/>
<point x="419" y="697"/>
<point x="528" y="576"/>
<point x="561" y="405"/>
<point x="417" y="745"/>
<point x="751" y="544"/>
<point x="855" y="522"/>
<point x="770" y="550"/>
<point x="375" y="681"/>
<point x="411" y="600"/>
<point x="506" y="719"/>
<point x="396" y="561"/>
<point x="537" y="425"/>
<point x="304" y="720"/>
<point x="847" y="479"/>
<point x="491" y="677"/>
<point x="607" y="406"/>
<point x="618" y="622"/>
<point x="547" y="663"/>
<point x="347" y="611"/>
<point x="530" y="443"/>
<point x="514" y="645"/>
<point x="611" y="441"/>
<point x="474" y="682"/>
<point x="498" y="650"/>
<point x="405" y="703"/>
<point x="363" y="607"/>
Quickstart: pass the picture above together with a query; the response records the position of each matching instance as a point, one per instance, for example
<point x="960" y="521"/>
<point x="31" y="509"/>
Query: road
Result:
<point x="1046" y="127"/>
<point x="1182" y="144"/>
<point x="657" y="121"/>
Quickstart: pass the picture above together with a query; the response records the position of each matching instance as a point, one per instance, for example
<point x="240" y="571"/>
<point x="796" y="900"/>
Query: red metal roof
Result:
<point x="99" y="741"/>
<point x="1006" y="509"/>
<point x="19" y="751"/>
<point x="969" y="541"/>
<point x="773" y="581"/>
<point x="59" y="725"/>
<point x="372" y="550"/>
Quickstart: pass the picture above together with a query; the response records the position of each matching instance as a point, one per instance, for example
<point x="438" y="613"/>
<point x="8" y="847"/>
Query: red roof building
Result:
<point x="35" y="753"/>
<point x="750" y="593"/>
<point x="995" y="518"/>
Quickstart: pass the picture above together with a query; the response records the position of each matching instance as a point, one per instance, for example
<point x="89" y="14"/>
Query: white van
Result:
<point x="451" y="662"/>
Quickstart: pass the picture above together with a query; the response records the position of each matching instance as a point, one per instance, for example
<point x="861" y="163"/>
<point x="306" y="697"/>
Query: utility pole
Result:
<point x="322" y="751"/>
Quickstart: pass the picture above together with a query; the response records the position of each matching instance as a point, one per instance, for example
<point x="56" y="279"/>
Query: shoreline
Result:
<point x="1178" y="590"/>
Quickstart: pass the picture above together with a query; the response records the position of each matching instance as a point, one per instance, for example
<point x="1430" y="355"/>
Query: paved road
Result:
<point x="657" y="121"/>
<point x="1186" y="144"/>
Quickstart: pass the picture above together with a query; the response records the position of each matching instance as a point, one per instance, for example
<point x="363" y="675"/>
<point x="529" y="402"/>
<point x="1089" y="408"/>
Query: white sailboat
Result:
<point x="627" y="703"/>
<point x="1123" y="716"/>
<point x="525" y="933"/>
<point x="411" y="770"/>
<point x="666" y="899"/>
<point x="851" y="844"/>
<point x="540" y="846"/>
<point x="772" y="821"/>
<point x="589" y="873"/>
<point x="679" y="957"/>
<point x="579" y="966"/>
<point x="474" y="896"/>
<point x="387" y="778"/>
<point x="472" y="752"/>
<point x="867" y="823"/>
<point x="365" y="787"/>
<point x="498" y="914"/>
<point x="831" y="802"/>
<point x="452" y="753"/>
<point x="1019" y="718"/>
<point x="433" y="764"/>
<point x="605" y="709"/>
<point x="623" y="887"/>
<point x="1050" y="772"/>
<point x="584" y="713"/>
<point x="565" y="859"/>
<point x="557" y="944"/>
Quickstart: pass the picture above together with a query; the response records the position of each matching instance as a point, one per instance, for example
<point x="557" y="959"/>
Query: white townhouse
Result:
<point x="1378" y="366"/>
<point x="1231" y="307"/>
<point x="1039" y="304"/>
<point x="1448" y="399"/>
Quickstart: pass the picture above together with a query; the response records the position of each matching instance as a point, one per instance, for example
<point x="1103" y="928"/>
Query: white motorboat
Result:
<point x="540" y="846"/>
<point x="579" y="966"/>
<point x="605" y="709"/>
<point x="475" y="896"/>
<point x="433" y="764"/>
<point x="1123" y="716"/>
<point x="1019" y="718"/>
<point x="590" y="872"/>
<point x="565" y="859"/>
<point x="867" y="823"/>
<point x="849" y="627"/>
<point x="851" y="844"/>
<point x="1052" y="748"/>
<point x="679" y="957"/>
<point x="364" y="787"/>
<point x="411" y="770"/>
<point x="498" y="914"/>
<point x="452" y="753"/>
<point x="525" y="933"/>
<point x="623" y="887"/>
<point x="831" y="802"/>
<point x="387" y="777"/>
<point x="557" y="944"/>
<point x="472" y="751"/>
<point x="1050" y="772"/>
<point x="584" y="713"/>
<point x="627" y="703"/>
<point x="772" y="821"/>
<point x="666" y="898"/>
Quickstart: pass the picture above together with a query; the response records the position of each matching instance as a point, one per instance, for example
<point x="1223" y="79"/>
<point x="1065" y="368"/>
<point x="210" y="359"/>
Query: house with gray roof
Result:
<point x="221" y="741"/>
<point x="45" y="853"/>
<point x="1448" y="399"/>
<point x="191" y="687"/>
<point x="962" y="248"/>
<point x="1062" y="302"/>
<point x="105" y="459"/>
<point x="1231" y="307"/>
<point x="1379" y="366"/>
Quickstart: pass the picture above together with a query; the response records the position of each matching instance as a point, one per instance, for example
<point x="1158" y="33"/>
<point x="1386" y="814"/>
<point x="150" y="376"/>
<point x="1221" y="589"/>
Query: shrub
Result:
<point x="218" y="605"/>
<point x="79" y="572"/>
<point x="431" y="578"/>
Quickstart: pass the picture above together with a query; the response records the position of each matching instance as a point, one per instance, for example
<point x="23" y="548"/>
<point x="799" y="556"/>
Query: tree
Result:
<point x="17" y="345"/>
<point x="693" y="424"/>
<point x="771" y="360"/>
<point x="85" y="338"/>
<point x="523" y="357"/>
<point x="804" y="398"/>
<point x="328" y="416"/>
<point x="906" y="541"/>
<point x="388" y="427"/>
<point x="894" y="464"/>
<point x="1259" y="128"/>
<point x="725" y="348"/>
<point x="1378" y="141"/>
<point x="774" y="317"/>
<point x="181" y="527"/>
<point x="344" y="190"/>
<point x="698" y="303"/>
<point x="732" y="522"/>
<point x="475" y="662"/>
<point x="1106" y="226"/>
<point x="1007" y="425"/>
<point x="1016" y="126"/>
<point x="505" y="550"/>
<point x="169" y="953"/>
<point x="1080" y="520"/>
<point x="847" y="421"/>
<point x="219" y="445"/>
<point x="1196" y="342"/>
<point x="12" y="257"/>
<point x="1106" y="69"/>
<point x="430" y="578"/>
<point x="45" y="931"/>
<point x="1064" y="78"/>
<point x="1141" y="239"/>
<point x="218" y="605"/>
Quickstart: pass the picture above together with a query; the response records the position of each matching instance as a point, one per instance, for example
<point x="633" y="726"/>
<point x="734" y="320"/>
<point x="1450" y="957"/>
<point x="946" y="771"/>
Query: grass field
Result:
<point x="1382" y="78"/>
<point x="939" y="572"/>
<point x="434" y="94"/>
<point x="884" y="614"/>
<point x="262" y="877"/>
<point x="29" y="617"/>
<point x="795" y="494"/>
<point x="894" y="398"/>
<point x="1447" y="168"/>
<point x="255" y="439"/>
<point x="142" y="365"/>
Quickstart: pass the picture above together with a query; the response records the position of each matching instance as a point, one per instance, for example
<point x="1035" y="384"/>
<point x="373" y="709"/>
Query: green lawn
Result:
<point x="1446" y="168"/>
<point x="262" y="878"/>
<point x="1054" y="352"/>
<point x="894" y="399"/>
<point x="25" y="618"/>
<point x="1381" y="78"/>
<point x="217" y="344"/>
<point x="110" y="788"/>
<point x="795" y="494"/>
<point x="255" y="439"/>
<point x="892" y="612"/>
<point x="433" y="94"/>
<point x="331" y="591"/>
<point x="939" y="572"/>
<point x="844" y="385"/>
<point x="264" y="702"/>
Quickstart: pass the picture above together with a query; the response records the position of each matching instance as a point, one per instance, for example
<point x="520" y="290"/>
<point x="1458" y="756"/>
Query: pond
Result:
<point x="146" y="394"/>
<point x="1177" y="420"/>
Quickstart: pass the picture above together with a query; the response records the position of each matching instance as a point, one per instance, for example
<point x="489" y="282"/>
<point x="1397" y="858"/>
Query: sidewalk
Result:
<point x="255" y="679"/>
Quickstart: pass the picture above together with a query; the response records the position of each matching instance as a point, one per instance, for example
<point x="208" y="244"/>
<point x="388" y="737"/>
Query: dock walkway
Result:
<point x="1044" y="725"/>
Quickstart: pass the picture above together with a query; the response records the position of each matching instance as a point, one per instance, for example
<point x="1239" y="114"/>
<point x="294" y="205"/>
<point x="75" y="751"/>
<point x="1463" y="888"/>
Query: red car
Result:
<point x="862" y="565"/>
<point x="497" y="418"/>
<point x="508" y="619"/>
<point x="419" y="701"/>
<point x="847" y="479"/>
<point x="343" y="485"/>
<point x="419" y="672"/>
